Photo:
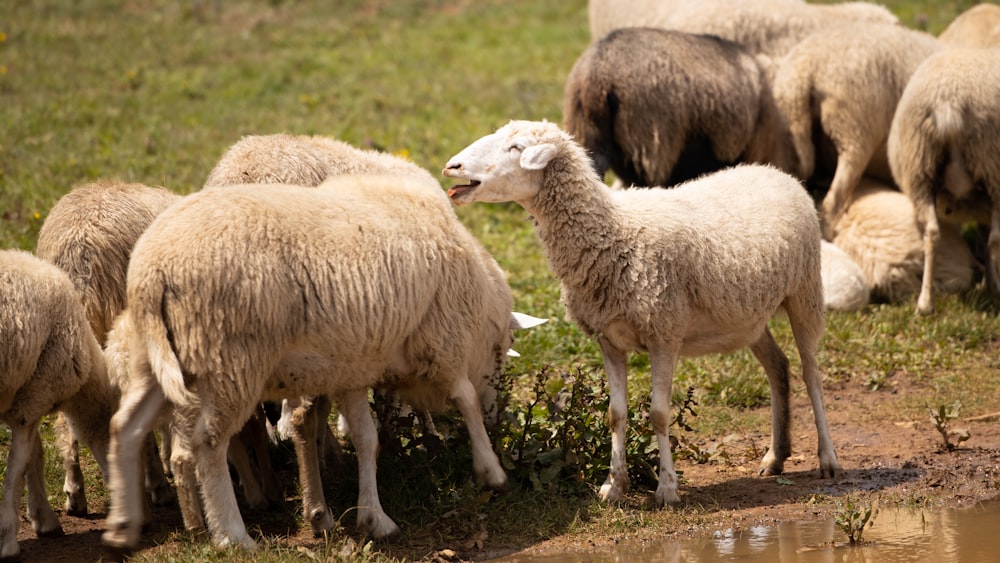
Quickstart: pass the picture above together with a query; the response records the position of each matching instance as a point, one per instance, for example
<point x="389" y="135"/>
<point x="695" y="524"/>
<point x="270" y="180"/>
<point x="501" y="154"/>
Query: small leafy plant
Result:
<point x="941" y="418"/>
<point x="852" y="516"/>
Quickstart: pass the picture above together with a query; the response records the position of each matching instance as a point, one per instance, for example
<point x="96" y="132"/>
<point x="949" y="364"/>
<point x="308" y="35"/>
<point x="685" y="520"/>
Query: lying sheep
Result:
<point x="693" y="270"/>
<point x="89" y="233"/>
<point x="977" y="27"/>
<point x="944" y="143"/>
<point x="768" y="27"/>
<point x="660" y="107"/>
<point x="879" y="231"/>
<point x="844" y="284"/>
<point x="302" y="160"/>
<point x="342" y="271"/>
<point x="49" y="360"/>
<point x="848" y="80"/>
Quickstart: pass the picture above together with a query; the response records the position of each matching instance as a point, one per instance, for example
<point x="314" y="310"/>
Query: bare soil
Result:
<point x="899" y="460"/>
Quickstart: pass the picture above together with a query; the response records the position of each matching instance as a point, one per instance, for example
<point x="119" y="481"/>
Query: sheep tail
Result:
<point x="163" y="359"/>
<point x="949" y="122"/>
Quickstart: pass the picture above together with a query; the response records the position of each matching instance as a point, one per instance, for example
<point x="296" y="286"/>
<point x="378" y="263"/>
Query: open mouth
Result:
<point x="458" y="191"/>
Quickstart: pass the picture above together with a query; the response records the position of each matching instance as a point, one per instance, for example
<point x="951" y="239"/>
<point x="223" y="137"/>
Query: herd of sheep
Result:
<point x="816" y="156"/>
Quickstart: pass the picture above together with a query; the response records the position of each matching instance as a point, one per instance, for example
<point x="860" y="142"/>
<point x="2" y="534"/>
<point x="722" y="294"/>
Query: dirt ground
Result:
<point x="899" y="460"/>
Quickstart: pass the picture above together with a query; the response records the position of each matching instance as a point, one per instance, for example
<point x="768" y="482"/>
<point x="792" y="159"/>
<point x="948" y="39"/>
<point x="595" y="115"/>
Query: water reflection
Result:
<point x="898" y="535"/>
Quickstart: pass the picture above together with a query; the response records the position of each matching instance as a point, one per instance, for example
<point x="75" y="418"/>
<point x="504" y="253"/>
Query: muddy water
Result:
<point x="899" y="535"/>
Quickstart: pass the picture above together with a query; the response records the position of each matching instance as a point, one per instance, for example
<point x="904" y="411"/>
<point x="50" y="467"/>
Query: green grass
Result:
<point x="154" y="91"/>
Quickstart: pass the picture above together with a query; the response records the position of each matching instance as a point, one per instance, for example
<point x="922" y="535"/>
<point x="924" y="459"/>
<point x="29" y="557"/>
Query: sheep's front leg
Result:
<point x="775" y="364"/>
<point x="372" y="520"/>
<point x="614" y="487"/>
<point x="69" y="450"/>
<point x="484" y="460"/>
<point x="663" y="360"/>
<point x="304" y="428"/>
<point x="221" y="511"/>
<point x="932" y="235"/>
<point x="142" y="407"/>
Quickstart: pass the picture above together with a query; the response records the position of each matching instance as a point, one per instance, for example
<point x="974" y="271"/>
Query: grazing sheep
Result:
<point x="693" y="270"/>
<point x="89" y="233"/>
<point x="943" y="145"/>
<point x="768" y="27"/>
<point x="343" y="272"/>
<point x="848" y="80"/>
<point x="879" y="231"/>
<point x="977" y="27"/>
<point x="49" y="360"/>
<point x="660" y="107"/>
<point x="844" y="285"/>
<point x="303" y="160"/>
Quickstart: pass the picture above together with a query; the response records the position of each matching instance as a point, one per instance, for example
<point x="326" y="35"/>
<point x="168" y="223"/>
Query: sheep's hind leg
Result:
<point x="22" y="448"/>
<point x="221" y="511"/>
<point x="305" y="430"/>
<point x="69" y="449"/>
<point x="614" y="487"/>
<point x="663" y="361"/>
<point x="372" y="520"/>
<point x="993" y="243"/>
<point x="43" y="519"/>
<point x="484" y="460"/>
<point x="775" y="364"/>
<point x="927" y="216"/>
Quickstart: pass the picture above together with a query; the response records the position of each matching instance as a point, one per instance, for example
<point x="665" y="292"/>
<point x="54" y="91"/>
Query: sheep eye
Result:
<point x="518" y="148"/>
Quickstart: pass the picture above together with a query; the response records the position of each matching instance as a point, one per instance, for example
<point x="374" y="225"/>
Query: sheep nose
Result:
<point x="455" y="166"/>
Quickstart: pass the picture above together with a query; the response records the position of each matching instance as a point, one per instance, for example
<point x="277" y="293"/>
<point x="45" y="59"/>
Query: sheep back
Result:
<point x="374" y="272"/>
<point x="90" y="232"/>
<point x="659" y="107"/>
<point x="47" y="350"/>
<point x="977" y="27"/>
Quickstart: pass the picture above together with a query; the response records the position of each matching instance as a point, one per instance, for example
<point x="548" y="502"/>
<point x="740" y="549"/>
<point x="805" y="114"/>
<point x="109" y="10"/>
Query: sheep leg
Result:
<point x="485" y="463"/>
<point x="303" y="427"/>
<point x="806" y="320"/>
<point x="993" y="268"/>
<point x="182" y="463"/>
<point x="238" y="455"/>
<point x="775" y="364"/>
<point x="616" y="484"/>
<point x="851" y="165"/>
<point x="22" y="448"/>
<point x="927" y="215"/>
<point x="663" y="361"/>
<point x="372" y="520"/>
<point x="221" y="511"/>
<point x="254" y="435"/>
<point x="43" y="519"/>
<point x="142" y="407"/>
<point x="69" y="450"/>
<point x="159" y="490"/>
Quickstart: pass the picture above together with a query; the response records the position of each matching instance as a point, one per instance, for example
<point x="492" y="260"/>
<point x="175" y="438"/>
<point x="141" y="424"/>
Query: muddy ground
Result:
<point x="900" y="460"/>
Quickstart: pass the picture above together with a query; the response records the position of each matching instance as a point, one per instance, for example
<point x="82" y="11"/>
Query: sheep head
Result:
<point x="505" y="165"/>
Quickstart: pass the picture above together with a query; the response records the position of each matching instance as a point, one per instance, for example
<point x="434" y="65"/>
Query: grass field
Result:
<point x="154" y="91"/>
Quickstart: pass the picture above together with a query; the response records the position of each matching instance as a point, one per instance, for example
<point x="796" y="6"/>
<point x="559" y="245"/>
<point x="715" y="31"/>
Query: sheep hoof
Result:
<point x="53" y="533"/>
<point x="322" y="522"/>
<point x="378" y="527"/>
<point x="117" y="554"/>
<point x="76" y="504"/>
<point x="771" y="470"/>
<point x="829" y="470"/>
<point x="666" y="497"/>
<point x="611" y="491"/>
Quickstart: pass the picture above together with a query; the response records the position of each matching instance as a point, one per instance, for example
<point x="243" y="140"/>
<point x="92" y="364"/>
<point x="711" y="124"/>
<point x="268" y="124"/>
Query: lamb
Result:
<point x="977" y="27"/>
<point x="342" y="271"/>
<point x="879" y="231"/>
<point x="303" y="160"/>
<point x="849" y="80"/>
<point x="50" y="360"/>
<point x="943" y="145"/>
<point x="660" y="107"/>
<point x="766" y="27"/>
<point x="89" y="233"/>
<point x="693" y="270"/>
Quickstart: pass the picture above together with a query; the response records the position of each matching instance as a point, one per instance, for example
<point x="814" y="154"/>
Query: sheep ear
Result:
<point x="520" y="320"/>
<point x="537" y="157"/>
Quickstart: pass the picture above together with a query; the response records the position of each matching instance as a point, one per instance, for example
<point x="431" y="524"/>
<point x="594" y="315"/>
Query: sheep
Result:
<point x="879" y="231"/>
<point x="50" y="360"/>
<point x="693" y="270"/>
<point x="849" y="80"/>
<point x="89" y="233"/>
<point x="943" y="145"/>
<point x="375" y="274"/>
<point x="844" y="284"/>
<point x="302" y="160"/>
<point x="659" y="107"/>
<point x="767" y="27"/>
<point x="979" y="26"/>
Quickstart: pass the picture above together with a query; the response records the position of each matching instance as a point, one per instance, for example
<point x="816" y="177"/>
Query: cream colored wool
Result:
<point x="977" y="27"/>
<point x="660" y="107"/>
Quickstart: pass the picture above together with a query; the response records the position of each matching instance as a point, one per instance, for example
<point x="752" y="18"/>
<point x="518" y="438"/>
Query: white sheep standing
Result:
<point x="977" y="27"/>
<point x="693" y="270"/>
<point x="49" y="360"/>
<point x="767" y="27"/>
<point x="659" y="107"/>
<point x="374" y="273"/>
<point x="89" y="233"/>
<point x="879" y="231"/>
<point x="943" y="145"/>
<point x="848" y="79"/>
